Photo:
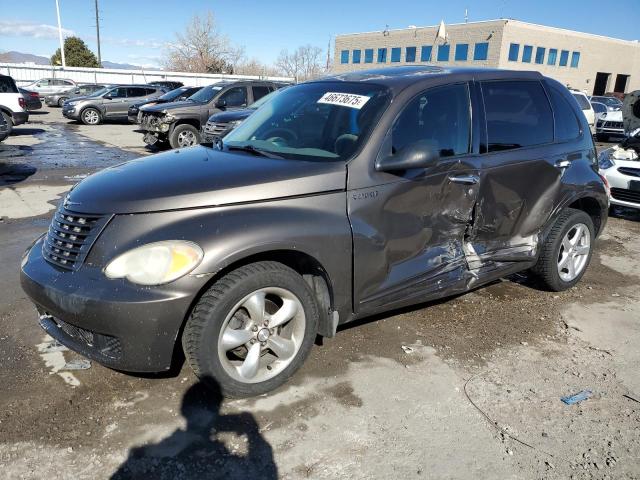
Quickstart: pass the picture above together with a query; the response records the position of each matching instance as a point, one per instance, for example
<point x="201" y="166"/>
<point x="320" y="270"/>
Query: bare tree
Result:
<point x="304" y="63"/>
<point x="254" y="67"/>
<point x="202" y="48"/>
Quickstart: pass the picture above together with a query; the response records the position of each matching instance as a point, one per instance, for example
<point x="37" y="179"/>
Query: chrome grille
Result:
<point x="625" y="195"/>
<point x="70" y="237"/>
<point x="607" y="124"/>
<point x="216" y="129"/>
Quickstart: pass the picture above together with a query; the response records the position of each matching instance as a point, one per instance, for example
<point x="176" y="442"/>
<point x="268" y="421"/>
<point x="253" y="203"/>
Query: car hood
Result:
<point x="612" y="116"/>
<point x="200" y="177"/>
<point x="231" y="116"/>
<point x="172" y="106"/>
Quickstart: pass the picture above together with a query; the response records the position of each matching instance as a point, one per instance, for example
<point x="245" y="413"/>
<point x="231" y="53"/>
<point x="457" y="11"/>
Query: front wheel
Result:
<point x="252" y="329"/>
<point x="184" y="136"/>
<point x="61" y="102"/>
<point x="566" y="252"/>
<point x="91" y="116"/>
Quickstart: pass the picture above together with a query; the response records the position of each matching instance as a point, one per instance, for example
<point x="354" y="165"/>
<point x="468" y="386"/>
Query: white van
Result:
<point x="12" y="104"/>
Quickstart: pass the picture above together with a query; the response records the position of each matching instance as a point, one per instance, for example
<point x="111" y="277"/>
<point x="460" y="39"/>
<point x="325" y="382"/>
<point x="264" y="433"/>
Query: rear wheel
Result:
<point x="9" y="120"/>
<point x="252" y="329"/>
<point x="61" y="102"/>
<point x="184" y="136"/>
<point x="91" y="116"/>
<point x="566" y="252"/>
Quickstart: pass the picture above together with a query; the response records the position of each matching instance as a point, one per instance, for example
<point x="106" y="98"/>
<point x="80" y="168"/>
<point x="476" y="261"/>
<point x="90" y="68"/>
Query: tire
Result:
<point x="556" y="251"/>
<point x="61" y="102"/>
<point x="9" y="120"/>
<point x="91" y="116"/>
<point x="184" y="136"/>
<point x="222" y="310"/>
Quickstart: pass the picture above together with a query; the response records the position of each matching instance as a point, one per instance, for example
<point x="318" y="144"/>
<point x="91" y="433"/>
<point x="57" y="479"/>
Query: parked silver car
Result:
<point x="111" y="102"/>
<point x="49" y="86"/>
<point x="58" y="99"/>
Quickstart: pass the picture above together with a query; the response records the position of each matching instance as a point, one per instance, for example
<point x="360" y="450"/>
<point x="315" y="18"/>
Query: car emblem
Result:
<point x="68" y="202"/>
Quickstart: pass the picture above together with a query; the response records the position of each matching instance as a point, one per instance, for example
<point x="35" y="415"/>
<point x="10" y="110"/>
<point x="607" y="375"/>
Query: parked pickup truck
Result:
<point x="339" y="199"/>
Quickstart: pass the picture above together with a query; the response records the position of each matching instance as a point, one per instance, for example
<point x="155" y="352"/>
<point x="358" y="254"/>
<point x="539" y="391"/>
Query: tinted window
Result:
<point x="514" y="50"/>
<point x="481" y="51"/>
<point x="527" y="50"/>
<point x="235" y="97"/>
<point x="518" y="114"/>
<point x="462" y="51"/>
<point x="439" y="117"/>
<point x="368" y="55"/>
<point x="259" y="91"/>
<point x="565" y="121"/>
<point x="382" y="55"/>
<point x="564" y="58"/>
<point x="356" y="56"/>
<point x="540" y="55"/>
<point x="553" y="55"/>
<point x="137" y="91"/>
<point x="344" y="56"/>
<point x="443" y="53"/>
<point x="395" y="54"/>
<point x="410" y="54"/>
<point x="7" y="85"/>
<point x="120" y="92"/>
<point x="425" y="53"/>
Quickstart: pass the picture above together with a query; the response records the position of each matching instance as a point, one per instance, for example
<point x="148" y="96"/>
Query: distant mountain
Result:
<point x="18" y="57"/>
<point x="120" y="66"/>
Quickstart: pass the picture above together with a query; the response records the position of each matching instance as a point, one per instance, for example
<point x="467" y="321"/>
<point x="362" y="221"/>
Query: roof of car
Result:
<point x="400" y="77"/>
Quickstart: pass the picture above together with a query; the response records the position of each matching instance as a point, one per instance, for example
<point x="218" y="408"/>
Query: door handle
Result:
<point x="563" y="163"/>
<point x="464" y="179"/>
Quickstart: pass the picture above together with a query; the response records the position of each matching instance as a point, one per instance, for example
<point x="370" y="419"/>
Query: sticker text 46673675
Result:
<point x="350" y="100"/>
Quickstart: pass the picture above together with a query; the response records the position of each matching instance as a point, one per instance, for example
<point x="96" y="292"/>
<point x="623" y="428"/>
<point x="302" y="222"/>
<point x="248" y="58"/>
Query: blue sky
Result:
<point x="134" y="31"/>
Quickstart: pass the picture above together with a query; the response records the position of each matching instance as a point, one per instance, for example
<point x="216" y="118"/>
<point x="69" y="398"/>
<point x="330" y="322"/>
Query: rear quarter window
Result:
<point x="566" y="123"/>
<point x="7" y="85"/>
<point x="518" y="114"/>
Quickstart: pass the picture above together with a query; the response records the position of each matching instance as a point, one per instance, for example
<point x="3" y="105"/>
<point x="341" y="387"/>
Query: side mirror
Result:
<point x="417" y="155"/>
<point x="107" y="97"/>
<point x="77" y="90"/>
<point x="221" y="103"/>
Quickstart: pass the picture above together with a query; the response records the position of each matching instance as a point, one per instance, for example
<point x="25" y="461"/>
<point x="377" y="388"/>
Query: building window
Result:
<point x="425" y="53"/>
<point x="575" y="59"/>
<point x="344" y="56"/>
<point x="356" y="56"/>
<point x="396" y="52"/>
<point x="540" y="55"/>
<point x="382" y="55"/>
<point x="368" y="55"/>
<point x="527" y="50"/>
<point x="443" y="53"/>
<point x="481" y="51"/>
<point x="514" y="51"/>
<point x="462" y="51"/>
<point x="410" y="54"/>
<point x="564" y="58"/>
<point x="553" y="56"/>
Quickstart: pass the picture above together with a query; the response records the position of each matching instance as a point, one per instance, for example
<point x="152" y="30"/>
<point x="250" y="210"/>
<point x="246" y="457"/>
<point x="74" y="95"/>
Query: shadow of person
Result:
<point x="197" y="452"/>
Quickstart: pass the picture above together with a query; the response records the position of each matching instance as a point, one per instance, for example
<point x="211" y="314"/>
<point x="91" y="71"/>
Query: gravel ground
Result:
<point x="474" y="393"/>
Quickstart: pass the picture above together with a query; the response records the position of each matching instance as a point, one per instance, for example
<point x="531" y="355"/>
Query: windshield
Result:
<point x="102" y="91"/>
<point x="173" y="94"/>
<point x="582" y="101"/>
<point x="324" y="121"/>
<point x="206" y="93"/>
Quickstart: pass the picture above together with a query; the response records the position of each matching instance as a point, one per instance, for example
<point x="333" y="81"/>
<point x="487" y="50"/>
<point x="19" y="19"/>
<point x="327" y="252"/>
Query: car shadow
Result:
<point x="25" y="131"/>
<point x="38" y="112"/>
<point x="625" y="213"/>
<point x="11" y="173"/>
<point x="197" y="451"/>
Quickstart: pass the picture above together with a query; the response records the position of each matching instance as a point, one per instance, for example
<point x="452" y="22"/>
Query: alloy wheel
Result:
<point x="187" y="139"/>
<point x="574" y="252"/>
<point x="91" y="117"/>
<point x="261" y="335"/>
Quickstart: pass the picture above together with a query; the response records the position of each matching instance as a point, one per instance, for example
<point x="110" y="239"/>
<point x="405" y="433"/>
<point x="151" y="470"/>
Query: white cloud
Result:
<point x="128" y="42"/>
<point x="19" y="28"/>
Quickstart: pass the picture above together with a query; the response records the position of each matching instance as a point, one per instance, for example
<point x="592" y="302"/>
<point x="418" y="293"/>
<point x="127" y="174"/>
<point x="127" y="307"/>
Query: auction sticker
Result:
<point x="350" y="100"/>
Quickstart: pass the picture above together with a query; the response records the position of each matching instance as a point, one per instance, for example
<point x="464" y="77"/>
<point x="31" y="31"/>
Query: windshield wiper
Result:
<point x="255" y="151"/>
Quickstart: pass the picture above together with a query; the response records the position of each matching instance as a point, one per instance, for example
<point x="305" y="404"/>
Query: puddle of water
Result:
<point x="54" y="360"/>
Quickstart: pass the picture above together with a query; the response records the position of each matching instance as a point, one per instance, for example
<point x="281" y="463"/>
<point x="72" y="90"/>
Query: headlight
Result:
<point x="235" y="123"/>
<point x="168" y="118"/>
<point x="605" y="161"/>
<point x="156" y="263"/>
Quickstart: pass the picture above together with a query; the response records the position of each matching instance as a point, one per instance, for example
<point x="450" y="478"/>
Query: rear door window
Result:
<point x="120" y="92"/>
<point x="439" y="116"/>
<point x="7" y="85"/>
<point x="259" y="91"/>
<point x="518" y="114"/>
<point x="565" y="121"/>
<point x="136" y="92"/>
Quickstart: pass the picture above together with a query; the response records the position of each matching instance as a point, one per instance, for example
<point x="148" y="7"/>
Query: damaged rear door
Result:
<point x="521" y="174"/>
<point x="409" y="226"/>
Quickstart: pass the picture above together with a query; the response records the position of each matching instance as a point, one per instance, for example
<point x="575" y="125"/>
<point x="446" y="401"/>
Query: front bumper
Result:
<point x="70" y="113"/>
<point x="114" y="322"/>
<point x="621" y="192"/>
<point x="20" y="117"/>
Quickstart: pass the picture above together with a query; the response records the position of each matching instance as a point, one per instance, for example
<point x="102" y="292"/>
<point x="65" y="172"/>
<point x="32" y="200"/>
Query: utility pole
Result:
<point x="98" y="34"/>
<point x="328" y="53"/>
<point x="64" y="63"/>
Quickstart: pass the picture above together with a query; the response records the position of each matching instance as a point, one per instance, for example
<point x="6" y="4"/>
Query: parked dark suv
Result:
<point x="111" y="103"/>
<point x="180" y="123"/>
<point x="338" y="199"/>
